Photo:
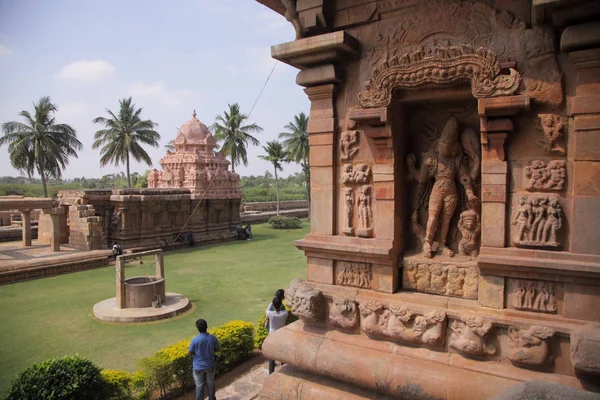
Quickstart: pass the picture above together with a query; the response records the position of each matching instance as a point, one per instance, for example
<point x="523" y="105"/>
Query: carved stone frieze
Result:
<point x="542" y="176"/>
<point x="398" y="323"/>
<point x="469" y="336"/>
<point x="553" y="127"/>
<point x="353" y="274"/>
<point x="538" y="219"/>
<point x="532" y="295"/>
<point x="443" y="279"/>
<point x="307" y="303"/>
<point x="439" y="67"/>
<point x="343" y="313"/>
<point x="529" y="347"/>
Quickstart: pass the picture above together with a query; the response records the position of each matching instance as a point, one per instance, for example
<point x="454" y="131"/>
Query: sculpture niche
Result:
<point x="446" y="161"/>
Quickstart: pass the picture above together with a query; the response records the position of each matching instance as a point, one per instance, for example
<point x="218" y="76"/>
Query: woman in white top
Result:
<point x="277" y="318"/>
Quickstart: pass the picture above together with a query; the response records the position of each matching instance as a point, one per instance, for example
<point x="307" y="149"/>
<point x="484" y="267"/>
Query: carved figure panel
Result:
<point x="538" y="219"/>
<point x="356" y="174"/>
<point x="343" y="313"/>
<point x="400" y="324"/>
<point x="532" y="295"/>
<point x="349" y="203"/>
<point x="353" y="274"/>
<point x="365" y="212"/>
<point x="306" y="303"/>
<point x="348" y="145"/>
<point x="542" y="176"/>
<point x="441" y="67"/>
<point x="445" y="162"/>
<point x="469" y="336"/>
<point x="469" y="228"/>
<point x="443" y="279"/>
<point x="529" y="347"/>
<point x="553" y="127"/>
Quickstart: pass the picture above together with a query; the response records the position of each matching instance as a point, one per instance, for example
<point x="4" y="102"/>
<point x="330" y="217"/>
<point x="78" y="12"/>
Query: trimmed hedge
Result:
<point x="68" y="378"/>
<point x="285" y="222"/>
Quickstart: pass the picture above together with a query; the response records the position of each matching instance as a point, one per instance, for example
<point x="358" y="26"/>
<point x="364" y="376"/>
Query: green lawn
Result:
<point x="53" y="316"/>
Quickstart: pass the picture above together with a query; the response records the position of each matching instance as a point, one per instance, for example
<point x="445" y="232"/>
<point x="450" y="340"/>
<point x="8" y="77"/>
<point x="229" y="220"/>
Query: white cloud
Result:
<point x="159" y="93"/>
<point x="87" y="71"/>
<point x="4" y="51"/>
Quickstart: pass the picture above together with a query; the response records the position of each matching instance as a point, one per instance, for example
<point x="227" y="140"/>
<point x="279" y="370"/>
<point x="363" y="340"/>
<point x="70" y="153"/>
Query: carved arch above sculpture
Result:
<point x="439" y="67"/>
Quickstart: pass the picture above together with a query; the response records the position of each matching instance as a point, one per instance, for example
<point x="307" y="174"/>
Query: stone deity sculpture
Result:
<point x="443" y="163"/>
<point x="349" y="200"/>
<point x="469" y="227"/>
<point x="365" y="212"/>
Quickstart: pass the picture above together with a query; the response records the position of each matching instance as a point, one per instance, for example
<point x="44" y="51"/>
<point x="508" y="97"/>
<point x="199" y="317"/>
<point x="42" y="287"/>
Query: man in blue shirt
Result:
<point x="203" y="348"/>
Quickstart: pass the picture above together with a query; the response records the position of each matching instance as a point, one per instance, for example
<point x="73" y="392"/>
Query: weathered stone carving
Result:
<point x="343" y="313"/>
<point x="534" y="296"/>
<point x="468" y="336"/>
<point x="585" y="349"/>
<point x="442" y="163"/>
<point x="358" y="174"/>
<point x="529" y="347"/>
<point x="353" y="274"/>
<point x="545" y="177"/>
<point x="442" y="67"/>
<point x="349" y="201"/>
<point x="306" y="303"/>
<point x="553" y="126"/>
<point x="365" y="212"/>
<point x="348" y="143"/>
<point x="446" y="280"/>
<point x="469" y="228"/>
<point x="539" y="219"/>
<point x="400" y="324"/>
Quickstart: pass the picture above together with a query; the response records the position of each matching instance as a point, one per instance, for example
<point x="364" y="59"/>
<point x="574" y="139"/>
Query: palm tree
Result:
<point x="124" y="135"/>
<point x="40" y="144"/>
<point x="229" y="128"/>
<point x="275" y="155"/>
<point x="297" y="148"/>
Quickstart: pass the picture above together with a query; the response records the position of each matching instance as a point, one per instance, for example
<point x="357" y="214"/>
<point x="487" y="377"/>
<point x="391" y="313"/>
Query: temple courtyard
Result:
<point x="51" y="317"/>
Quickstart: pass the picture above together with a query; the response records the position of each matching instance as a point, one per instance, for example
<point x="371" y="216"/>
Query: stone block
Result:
<point x="320" y="125"/>
<point x="320" y="270"/>
<point x="586" y="177"/>
<point x="585" y="349"/>
<point x="540" y="390"/>
<point x="494" y="167"/>
<point x="385" y="278"/>
<point x="322" y="205"/>
<point x="586" y="145"/>
<point x="581" y="302"/>
<point x="383" y="213"/>
<point x="493" y="179"/>
<point x="491" y="291"/>
<point x="493" y="193"/>
<point x="585" y="224"/>
<point x="493" y="226"/>
<point x="321" y="156"/>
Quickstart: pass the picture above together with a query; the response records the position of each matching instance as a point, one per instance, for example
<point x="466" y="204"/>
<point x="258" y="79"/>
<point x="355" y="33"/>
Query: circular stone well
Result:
<point x="140" y="291"/>
<point x="174" y="304"/>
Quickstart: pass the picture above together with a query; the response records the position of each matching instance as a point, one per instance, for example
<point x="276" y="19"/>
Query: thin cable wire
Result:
<point x="263" y="88"/>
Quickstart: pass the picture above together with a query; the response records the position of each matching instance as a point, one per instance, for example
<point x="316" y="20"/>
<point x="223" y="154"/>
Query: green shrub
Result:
<point x="262" y="332"/>
<point x="285" y="222"/>
<point x="69" y="378"/>
<point x="236" y="340"/>
<point x="118" y="384"/>
<point x="172" y="365"/>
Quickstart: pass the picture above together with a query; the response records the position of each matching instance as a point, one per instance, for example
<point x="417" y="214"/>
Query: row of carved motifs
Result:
<point x="357" y="191"/>
<point x="469" y="334"/>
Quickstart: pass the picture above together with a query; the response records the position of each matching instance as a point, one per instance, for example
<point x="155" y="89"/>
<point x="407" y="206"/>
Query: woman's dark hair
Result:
<point x="280" y="293"/>
<point x="277" y="303"/>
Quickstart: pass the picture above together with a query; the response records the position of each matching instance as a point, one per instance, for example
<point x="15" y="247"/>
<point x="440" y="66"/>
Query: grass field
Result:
<point x="53" y="316"/>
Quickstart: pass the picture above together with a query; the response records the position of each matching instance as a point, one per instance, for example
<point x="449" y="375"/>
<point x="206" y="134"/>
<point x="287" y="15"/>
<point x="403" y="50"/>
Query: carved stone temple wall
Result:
<point x="194" y="194"/>
<point x="455" y="186"/>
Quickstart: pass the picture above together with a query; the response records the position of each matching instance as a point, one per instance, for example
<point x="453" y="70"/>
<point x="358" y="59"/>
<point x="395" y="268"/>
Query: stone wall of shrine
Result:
<point x="455" y="194"/>
<point x="147" y="217"/>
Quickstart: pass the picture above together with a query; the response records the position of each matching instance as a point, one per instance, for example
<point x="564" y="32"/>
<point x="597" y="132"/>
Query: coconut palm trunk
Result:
<point x="277" y="190"/>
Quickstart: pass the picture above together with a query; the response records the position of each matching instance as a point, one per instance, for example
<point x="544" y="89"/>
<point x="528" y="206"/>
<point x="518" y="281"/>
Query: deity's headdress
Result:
<point x="450" y="132"/>
<point x="469" y="214"/>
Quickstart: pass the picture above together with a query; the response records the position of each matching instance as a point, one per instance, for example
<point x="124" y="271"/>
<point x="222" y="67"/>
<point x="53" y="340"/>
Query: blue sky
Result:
<point x="172" y="57"/>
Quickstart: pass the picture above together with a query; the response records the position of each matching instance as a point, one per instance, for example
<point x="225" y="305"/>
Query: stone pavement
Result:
<point x="246" y="385"/>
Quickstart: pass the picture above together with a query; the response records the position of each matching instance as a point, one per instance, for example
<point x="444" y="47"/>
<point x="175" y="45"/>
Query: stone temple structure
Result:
<point x="194" y="195"/>
<point x="455" y="214"/>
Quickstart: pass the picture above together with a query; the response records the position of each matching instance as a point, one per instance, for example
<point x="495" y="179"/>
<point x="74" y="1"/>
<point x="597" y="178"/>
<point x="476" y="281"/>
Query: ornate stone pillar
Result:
<point x="26" y="221"/>
<point x="582" y="42"/>
<point x="321" y="131"/>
